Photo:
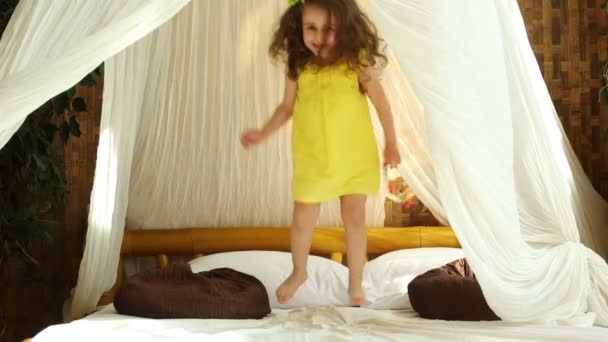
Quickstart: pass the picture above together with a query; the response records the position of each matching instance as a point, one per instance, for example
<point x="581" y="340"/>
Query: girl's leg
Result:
<point x="353" y="216"/>
<point x="305" y="218"/>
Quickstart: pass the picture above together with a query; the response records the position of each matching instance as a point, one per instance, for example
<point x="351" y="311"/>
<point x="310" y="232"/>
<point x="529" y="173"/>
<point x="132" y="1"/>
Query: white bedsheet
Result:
<point x="309" y="324"/>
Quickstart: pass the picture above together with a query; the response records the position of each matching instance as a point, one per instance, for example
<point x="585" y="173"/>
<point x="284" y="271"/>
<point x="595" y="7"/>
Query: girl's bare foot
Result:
<point x="289" y="287"/>
<point x="357" y="297"/>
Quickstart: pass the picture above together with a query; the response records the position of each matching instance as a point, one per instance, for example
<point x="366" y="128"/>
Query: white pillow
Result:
<point x="386" y="277"/>
<point x="326" y="285"/>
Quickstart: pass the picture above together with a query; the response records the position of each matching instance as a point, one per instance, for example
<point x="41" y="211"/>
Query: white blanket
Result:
<point x="309" y="324"/>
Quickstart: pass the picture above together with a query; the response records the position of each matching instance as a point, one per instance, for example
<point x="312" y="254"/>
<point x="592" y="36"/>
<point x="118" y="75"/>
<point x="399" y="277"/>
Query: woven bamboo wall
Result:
<point x="566" y="36"/>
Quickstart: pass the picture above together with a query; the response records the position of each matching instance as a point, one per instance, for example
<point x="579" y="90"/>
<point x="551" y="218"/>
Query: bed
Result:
<point x="310" y="323"/>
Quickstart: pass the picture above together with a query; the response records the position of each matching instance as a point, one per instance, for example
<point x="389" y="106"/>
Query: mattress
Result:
<point x="310" y="324"/>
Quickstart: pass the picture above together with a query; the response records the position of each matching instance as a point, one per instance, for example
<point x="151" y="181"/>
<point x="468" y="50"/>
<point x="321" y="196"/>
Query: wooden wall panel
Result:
<point x="568" y="39"/>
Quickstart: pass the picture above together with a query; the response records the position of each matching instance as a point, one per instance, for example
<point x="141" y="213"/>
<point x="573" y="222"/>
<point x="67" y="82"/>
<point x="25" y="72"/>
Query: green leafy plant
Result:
<point x="32" y="180"/>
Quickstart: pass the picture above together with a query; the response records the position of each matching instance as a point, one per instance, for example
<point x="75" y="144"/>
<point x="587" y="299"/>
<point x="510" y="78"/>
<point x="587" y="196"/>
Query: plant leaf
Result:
<point x="26" y="254"/>
<point x="88" y="81"/>
<point x="64" y="131"/>
<point x="44" y="207"/>
<point x="62" y="102"/>
<point x="47" y="236"/>
<point x="71" y="92"/>
<point x="74" y="126"/>
<point x="49" y="129"/>
<point x="55" y="170"/>
<point x="79" y="105"/>
<point x="99" y="70"/>
<point x="39" y="162"/>
<point x="33" y="187"/>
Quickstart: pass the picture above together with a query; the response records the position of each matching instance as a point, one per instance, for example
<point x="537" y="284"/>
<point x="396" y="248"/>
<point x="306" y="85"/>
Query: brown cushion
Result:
<point x="176" y="292"/>
<point x="450" y="292"/>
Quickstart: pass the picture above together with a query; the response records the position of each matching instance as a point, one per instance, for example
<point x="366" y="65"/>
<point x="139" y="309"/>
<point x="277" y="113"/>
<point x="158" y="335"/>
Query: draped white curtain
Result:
<point x="410" y="126"/>
<point x="120" y="115"/>
<point x="49" y="46"/>
<point x="509" y="183"/>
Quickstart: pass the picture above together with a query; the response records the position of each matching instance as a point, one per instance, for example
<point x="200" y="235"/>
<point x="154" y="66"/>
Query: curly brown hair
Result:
<point x="355" y="33"/>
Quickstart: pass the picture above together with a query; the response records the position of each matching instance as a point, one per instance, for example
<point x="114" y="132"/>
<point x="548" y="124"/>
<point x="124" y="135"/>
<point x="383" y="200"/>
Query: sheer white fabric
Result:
<point x="410" y="126"/>
<point x="120" y="115"/>
<point x="49" y="46"/>
<point x="508" y="180"/>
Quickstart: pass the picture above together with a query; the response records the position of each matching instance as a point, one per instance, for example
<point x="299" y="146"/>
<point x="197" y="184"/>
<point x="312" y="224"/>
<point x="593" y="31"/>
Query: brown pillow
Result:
<point x="450" y="292"/>
<point x="176" y="292"/>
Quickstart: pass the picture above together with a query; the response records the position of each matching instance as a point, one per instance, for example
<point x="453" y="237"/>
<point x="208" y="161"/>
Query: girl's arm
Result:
<point x="372" y="86"/>
<point x="281" y="115"/>
<point x="283" y="112"/>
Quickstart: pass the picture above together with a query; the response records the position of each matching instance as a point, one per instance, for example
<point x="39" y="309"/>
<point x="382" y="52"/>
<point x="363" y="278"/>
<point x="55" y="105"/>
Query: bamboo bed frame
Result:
<point x="327" y="242"/>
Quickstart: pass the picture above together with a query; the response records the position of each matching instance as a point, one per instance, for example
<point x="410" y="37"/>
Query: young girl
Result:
<point x="330" y="47"/>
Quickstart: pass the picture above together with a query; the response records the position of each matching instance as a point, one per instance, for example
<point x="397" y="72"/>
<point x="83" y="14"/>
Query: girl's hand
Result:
<point x="252" y="137"/>
<point x="391" y="156"/>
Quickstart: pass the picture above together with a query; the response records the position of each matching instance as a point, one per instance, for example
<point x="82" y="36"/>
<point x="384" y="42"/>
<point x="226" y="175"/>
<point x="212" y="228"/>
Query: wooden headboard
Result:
<point x="327" y="242"/>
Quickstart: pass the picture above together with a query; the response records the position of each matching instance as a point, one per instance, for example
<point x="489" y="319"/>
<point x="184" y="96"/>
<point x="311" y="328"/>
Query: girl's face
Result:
<point x="319" y="31"/>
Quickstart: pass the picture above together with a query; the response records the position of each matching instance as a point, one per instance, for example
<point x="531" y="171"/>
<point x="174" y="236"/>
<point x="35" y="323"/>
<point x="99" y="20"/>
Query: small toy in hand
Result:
<point x="398" y="190"/>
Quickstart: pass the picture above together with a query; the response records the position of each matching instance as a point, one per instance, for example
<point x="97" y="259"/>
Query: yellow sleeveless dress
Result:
<point x="334" y="147"/>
